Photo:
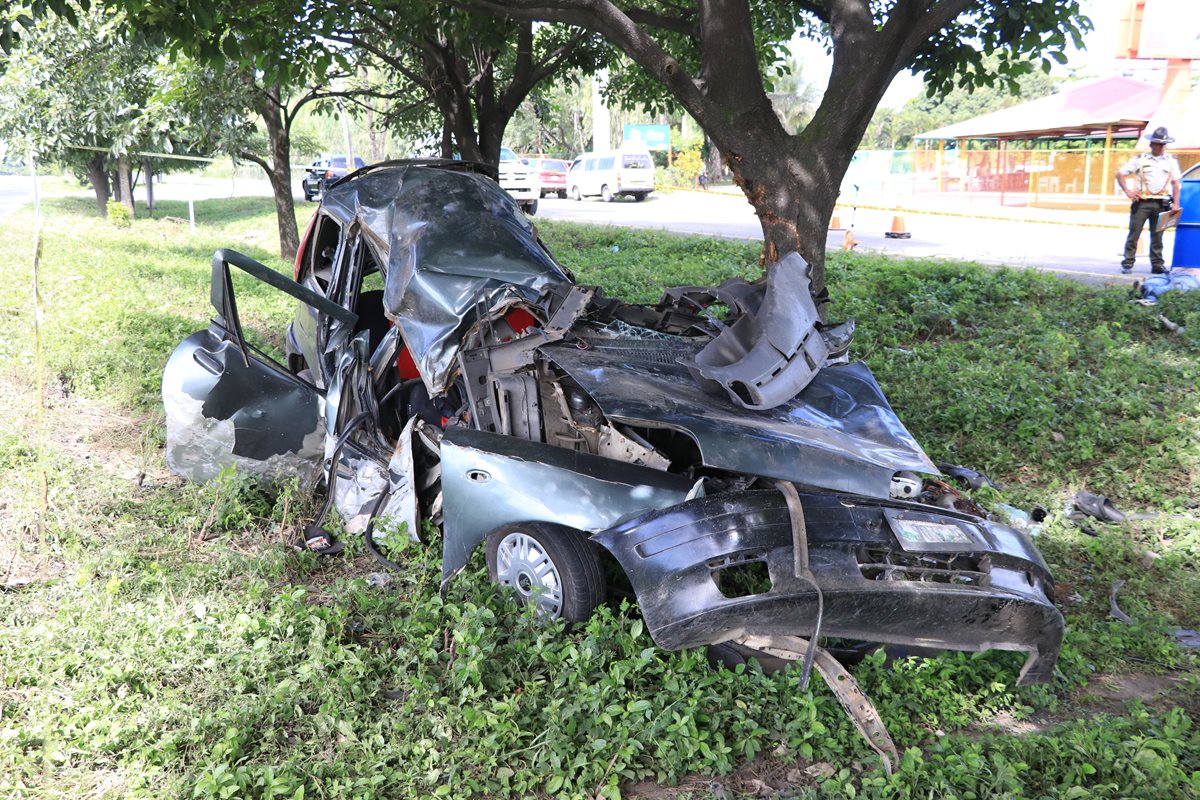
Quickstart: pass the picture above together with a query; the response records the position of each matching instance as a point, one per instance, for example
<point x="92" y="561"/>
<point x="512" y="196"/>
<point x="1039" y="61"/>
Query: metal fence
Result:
<point x="1077" y="179"/>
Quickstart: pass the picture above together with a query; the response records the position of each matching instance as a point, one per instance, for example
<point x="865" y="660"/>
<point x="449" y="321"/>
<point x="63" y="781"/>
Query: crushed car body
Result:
<point x="748" y="479"/>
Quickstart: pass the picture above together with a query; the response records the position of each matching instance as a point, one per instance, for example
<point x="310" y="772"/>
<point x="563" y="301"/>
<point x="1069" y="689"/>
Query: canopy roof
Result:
<point x="1085" y="109"/>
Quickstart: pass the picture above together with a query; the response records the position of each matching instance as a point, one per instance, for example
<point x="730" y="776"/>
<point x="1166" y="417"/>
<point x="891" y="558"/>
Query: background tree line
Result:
<point x="458" y="74"/>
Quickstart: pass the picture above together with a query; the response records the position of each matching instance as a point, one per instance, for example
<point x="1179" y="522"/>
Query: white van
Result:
<point x="611" y="173"/>
<point x="515" y="178"/>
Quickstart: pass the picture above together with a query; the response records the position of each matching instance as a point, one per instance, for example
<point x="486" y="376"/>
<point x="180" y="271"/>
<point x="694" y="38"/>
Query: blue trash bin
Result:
<point x="1187" y="233"/>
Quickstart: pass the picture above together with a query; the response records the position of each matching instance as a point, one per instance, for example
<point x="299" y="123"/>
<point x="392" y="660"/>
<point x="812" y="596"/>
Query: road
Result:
<point x="1086" y="252"/>
<point x="15" y="191"/>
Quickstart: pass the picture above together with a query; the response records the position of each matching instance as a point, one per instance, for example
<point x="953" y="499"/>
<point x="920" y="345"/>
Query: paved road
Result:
<point x="15" y="191"/>
<point x="1090" y="253"/>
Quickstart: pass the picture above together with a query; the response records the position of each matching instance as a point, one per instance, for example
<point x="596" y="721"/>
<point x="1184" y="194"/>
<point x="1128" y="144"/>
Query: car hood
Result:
<point x="515" y="168"/>
<point x="452" y="246"/>
<point x="839" y="433"/>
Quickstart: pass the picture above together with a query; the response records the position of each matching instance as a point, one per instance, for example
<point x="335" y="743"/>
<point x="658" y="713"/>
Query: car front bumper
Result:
<point x="522" y="192"/>
<point x="986" y="589"/>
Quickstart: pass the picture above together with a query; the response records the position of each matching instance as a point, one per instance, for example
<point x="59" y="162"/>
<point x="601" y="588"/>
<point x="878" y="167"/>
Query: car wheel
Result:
<point x="562" y="194"/>
<point x="575" y="193"/>
<point x="531" y="207"/>
<point x="640" y="196"/>
<point x="553" y="567"/>
<point x="606" y="194"/>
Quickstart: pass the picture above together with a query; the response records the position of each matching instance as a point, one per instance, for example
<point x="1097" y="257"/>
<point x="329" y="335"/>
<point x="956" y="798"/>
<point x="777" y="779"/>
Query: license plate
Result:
<point x="927" y="534"/>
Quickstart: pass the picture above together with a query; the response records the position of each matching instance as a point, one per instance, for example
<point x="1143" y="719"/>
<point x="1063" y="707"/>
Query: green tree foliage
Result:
<point x="453" y="77"/>
<point x="18" y="18"/>
<point x="238" y="112"/>
<point x="793" y="97"/>
<point x="710" y="57"/>
<point x="556" y="119"/>
<point x="86" y="80"/>
<point x="463" y="76"/>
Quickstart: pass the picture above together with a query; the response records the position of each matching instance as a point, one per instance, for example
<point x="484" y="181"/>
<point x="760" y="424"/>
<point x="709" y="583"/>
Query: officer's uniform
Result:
<point x="1156" y="176"/>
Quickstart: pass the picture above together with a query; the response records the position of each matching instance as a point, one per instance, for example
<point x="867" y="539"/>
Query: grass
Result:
<point x="159" y="639"/>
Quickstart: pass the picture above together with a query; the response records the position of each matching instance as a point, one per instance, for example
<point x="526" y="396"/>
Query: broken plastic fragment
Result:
<point x="1098" y="506"/>
<point x="1113" y="609"/>
<point x="767" y="357"/>
<point x="973" y="478"/>
<point x="1185" y="637"/>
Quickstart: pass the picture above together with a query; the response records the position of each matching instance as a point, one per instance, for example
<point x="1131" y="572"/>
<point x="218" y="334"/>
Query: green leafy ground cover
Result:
<point x="158" y="639"/>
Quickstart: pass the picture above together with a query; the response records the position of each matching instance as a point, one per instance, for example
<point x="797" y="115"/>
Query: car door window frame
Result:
<point x="223" y="298"/>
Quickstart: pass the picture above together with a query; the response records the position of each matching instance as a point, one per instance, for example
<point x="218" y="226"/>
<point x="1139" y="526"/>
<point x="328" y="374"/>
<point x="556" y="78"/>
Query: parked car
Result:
<point x="742" y="475"/>
<point x="551" y="175"/>
<point x="519" y="181"/>
<point x="324" y="171"/>
<point x="612" y="173"/>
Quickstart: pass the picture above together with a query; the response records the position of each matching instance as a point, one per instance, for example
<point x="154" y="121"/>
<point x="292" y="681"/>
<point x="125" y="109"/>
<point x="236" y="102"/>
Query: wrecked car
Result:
<point x="749" y="480"/>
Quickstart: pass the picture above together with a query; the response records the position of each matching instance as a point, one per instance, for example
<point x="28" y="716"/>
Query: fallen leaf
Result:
<point x="819" y="771"/>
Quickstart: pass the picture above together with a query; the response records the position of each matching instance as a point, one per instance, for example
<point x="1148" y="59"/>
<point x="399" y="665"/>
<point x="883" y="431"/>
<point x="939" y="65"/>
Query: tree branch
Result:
<point x="813" y="7"/>
<point x="603" y="17"/>
<point x="251" y="157"/>
<point x="685" y="24"/>
<point x="535" y="72"/>
<point x="392" y="61"/>
<point x="927" y="22"/>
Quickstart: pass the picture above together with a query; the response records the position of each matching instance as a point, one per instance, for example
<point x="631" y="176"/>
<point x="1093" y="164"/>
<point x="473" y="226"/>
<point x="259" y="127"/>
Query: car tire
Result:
<point x="640" y="196"/>
<point x="606" y="194"/>
<point x="576" y="194"/>
<point x="552" y="566"/>
<point x="562" y="194"/>
<point x="531" y="207"/>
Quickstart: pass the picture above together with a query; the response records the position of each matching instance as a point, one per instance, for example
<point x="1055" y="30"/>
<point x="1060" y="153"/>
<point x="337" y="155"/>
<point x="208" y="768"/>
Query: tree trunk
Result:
<point x="375" y="138"/>
<point x="114" y="180"/>
<point x="148" y="176"/>
<point x="99" y="179"/>
<point x="792" y="203"/>
<point x="279" y="170"/>
<point x="491" y="132"/>
<point x="713" y="162"/>
<point x="792" y="181"/>
<point x="125" y="174"/>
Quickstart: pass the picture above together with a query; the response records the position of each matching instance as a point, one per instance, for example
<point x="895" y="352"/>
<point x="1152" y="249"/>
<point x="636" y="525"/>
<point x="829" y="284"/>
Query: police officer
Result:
<point x="1154" y="190"/>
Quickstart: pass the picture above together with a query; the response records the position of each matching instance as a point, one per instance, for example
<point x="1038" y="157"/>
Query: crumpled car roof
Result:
<point x="452" y="247"/>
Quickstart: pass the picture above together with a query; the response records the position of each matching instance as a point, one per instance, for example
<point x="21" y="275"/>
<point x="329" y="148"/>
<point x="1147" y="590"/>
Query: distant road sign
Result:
<point x="651" y="137"/>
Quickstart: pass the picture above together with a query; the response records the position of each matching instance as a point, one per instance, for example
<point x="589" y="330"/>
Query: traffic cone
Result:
<point x="848" y="241"/>
<point x="897" y="231"/>
<point x="835" y="222"/>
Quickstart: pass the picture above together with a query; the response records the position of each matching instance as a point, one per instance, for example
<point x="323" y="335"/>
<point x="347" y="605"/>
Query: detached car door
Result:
<point x="229" y="404"/>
